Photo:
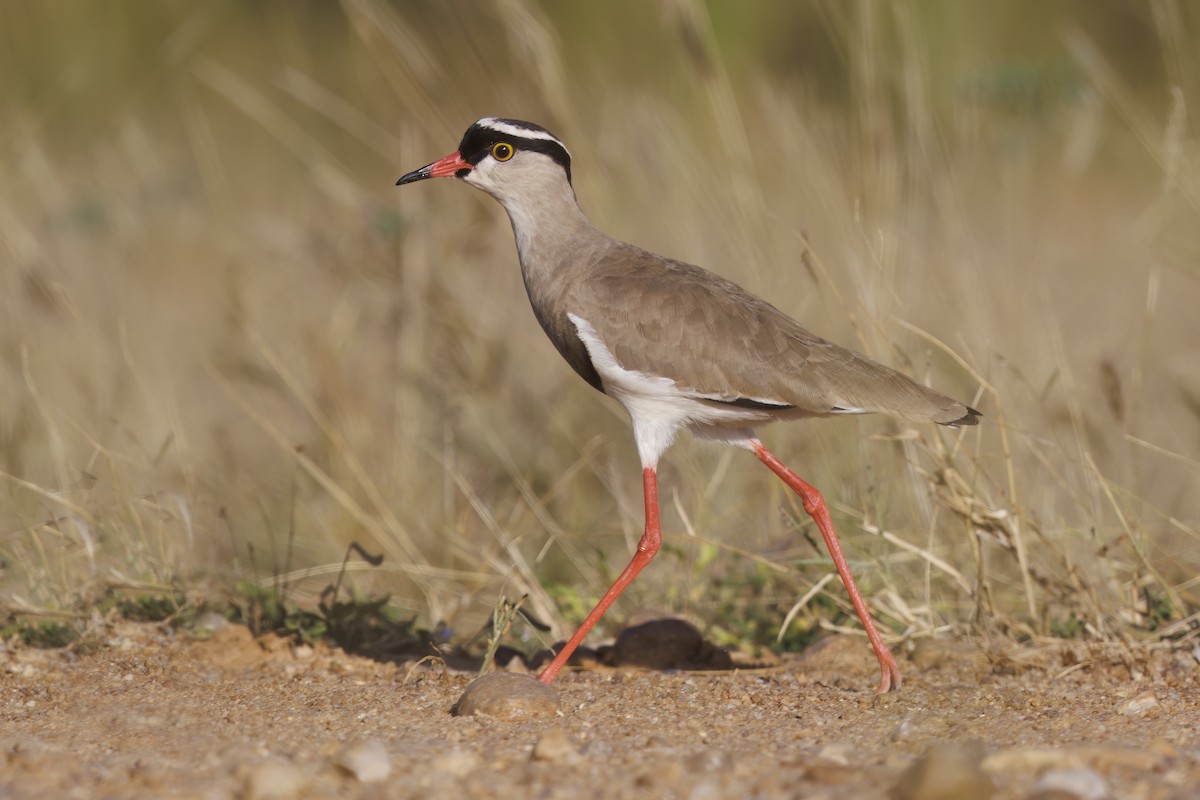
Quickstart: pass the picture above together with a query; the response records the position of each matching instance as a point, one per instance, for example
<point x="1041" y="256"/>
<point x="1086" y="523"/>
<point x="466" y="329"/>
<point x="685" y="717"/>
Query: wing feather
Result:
<point x="718" y="341"/>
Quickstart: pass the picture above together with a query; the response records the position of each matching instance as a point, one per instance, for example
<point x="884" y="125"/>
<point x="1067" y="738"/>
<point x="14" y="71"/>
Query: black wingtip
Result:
<point x="970" y="418"/>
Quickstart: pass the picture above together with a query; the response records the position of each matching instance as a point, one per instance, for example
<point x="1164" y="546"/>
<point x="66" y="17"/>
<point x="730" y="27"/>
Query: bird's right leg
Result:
<point x="646" y="549"/>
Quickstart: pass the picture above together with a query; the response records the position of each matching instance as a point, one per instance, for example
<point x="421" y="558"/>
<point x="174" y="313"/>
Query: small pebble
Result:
<point x="456" y="762"/>
<point x="1144" y="704"/>
<point x="554" y="747"/>
<point x="1069" y="784"/>
<point x="23" y="670"/>
<point x="273" y="779"/>
<point x="509" y="697"/>
<point x="366" y="761"/>
<point x="949" y="771"/>
<point x="840" y="754"/>
<point x="707" y="789"/>
<point x="904" y="730"/>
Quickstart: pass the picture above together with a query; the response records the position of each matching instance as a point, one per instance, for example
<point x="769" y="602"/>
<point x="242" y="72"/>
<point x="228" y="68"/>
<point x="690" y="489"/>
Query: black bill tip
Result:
<point x="414" y="176"/>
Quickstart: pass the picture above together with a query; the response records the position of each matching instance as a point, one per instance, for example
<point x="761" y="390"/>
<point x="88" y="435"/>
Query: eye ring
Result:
<point x="502" y="151"/>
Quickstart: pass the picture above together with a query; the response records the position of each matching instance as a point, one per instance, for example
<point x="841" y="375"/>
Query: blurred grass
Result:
<point x="221" y="324"/>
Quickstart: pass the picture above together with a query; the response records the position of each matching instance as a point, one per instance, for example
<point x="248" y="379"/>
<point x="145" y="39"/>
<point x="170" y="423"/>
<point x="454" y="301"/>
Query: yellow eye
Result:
<point x="502" y="151"/>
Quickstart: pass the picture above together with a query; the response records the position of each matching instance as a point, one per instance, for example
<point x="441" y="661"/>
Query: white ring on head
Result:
<point x="517" y="130"/>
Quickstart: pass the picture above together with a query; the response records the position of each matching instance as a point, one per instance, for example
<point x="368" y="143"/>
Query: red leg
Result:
<point x="814" y="504"/>
<point x="647" y="547"/>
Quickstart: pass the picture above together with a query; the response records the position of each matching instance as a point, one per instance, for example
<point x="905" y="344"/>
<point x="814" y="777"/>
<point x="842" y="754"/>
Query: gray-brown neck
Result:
<point x="551" y="230"/>
<point x="556" y="244"/>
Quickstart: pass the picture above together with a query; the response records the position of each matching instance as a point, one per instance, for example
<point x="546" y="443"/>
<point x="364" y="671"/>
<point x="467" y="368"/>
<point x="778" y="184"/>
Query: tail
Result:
<point x="968" y="416"/>
<point x="884" y="390"/>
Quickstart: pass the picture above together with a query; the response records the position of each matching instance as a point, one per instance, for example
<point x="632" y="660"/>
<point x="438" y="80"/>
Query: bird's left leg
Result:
<point x="814" y="504"/>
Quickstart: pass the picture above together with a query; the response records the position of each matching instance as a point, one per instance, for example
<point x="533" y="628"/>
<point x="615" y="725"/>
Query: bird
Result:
<point x="681" y="348"/>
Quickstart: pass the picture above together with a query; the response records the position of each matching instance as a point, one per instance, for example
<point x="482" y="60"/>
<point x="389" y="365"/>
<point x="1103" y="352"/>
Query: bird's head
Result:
<point x="503" y="157"/>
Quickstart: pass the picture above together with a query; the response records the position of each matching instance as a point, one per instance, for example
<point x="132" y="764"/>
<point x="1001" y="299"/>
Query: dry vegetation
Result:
<point x="228" y="346"/>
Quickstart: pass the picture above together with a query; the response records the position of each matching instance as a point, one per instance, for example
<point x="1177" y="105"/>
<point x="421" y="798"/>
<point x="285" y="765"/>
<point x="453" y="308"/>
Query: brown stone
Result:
<point x="507" y="696"/>
<point x="664" y="643"/>
<point x="949" y="771"/>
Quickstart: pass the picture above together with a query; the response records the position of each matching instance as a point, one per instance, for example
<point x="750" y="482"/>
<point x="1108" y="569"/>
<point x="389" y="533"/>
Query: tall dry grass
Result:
<point x="229" y="346"/>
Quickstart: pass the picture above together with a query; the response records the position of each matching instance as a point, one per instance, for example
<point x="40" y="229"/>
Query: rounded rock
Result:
<point x="555" y="747"/>
<point x="1145" y="704"/>
<point x="663" y="643"/>
<point x="366" y="761"/>
<point x="273" y="779"/>
<point x="1070" y="784"/>
<point x="456" y="763"/>
<point x="946" y="772"/>
<point x="509" y="697"/>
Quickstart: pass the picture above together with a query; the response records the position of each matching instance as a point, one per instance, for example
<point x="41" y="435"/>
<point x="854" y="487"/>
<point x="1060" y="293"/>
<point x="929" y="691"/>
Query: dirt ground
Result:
<point x="152" y="712"/>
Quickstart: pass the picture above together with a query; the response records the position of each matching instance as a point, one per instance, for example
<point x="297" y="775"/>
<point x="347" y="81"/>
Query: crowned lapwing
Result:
<point x="679" y="347"/>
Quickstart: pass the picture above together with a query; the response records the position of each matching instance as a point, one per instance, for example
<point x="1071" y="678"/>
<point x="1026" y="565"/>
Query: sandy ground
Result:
<point x="151" y="712"/>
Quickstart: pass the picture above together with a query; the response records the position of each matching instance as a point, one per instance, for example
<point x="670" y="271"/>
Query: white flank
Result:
<point x="658" y="408"/>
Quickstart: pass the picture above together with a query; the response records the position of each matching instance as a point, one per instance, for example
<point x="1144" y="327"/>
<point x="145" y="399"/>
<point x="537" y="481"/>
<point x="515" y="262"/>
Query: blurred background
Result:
<point x="229" y="346"/>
